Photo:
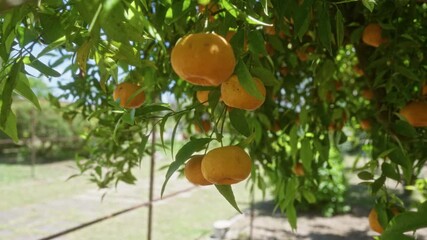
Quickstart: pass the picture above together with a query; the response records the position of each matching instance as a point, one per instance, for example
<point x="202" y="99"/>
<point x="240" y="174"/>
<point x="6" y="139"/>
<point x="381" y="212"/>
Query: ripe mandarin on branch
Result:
<point x="234" y="95"/>
<point x="372" y="35"/>
<point x="226" y="165"/>
<point x="193" y="172"/>
<point x="204" y="59"/>
<point x="375" y="224"/>
<point x="127" y="93"/>
<point x="203" y="96"/>
<point x="298" y="169"/>
<point x="415" y="113"/>
<point x="373" y="221"/>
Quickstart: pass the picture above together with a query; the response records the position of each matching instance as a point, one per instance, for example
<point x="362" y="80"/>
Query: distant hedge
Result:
<point x="55" y="137"/>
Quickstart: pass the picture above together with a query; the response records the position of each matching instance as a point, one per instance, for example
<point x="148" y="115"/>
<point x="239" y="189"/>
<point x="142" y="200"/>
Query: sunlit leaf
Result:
<point x="227" y="192"/>
<point x="193" y="146"/>
<point x="239" y="122"/>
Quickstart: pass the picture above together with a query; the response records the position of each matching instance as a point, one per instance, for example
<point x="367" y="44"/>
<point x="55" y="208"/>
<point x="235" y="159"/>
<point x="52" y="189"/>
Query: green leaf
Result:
<point x="324" y="73"/>
<point x="291" y="214"/>
<point x="6" y="96"/>
<point x="10" y="127"/>
<point x="41" y="67"/>
<point x="369" y="4"/>
<point x="266" y="76"/>
<point x="23" y="88"/>
<point x="256" y="43"/>
<point x="397" y="156"/>
<point x="294" y="141"/>
<point x="406" y="72"/>
<point x="405" y="129"/>
<point x="239" y="122"/>
<point x="339" y="25"/>
<point x="227" y="192"/>
<point x="247" y="81"/>
<point x="290" y="192"/>
<point x="378" y="183"/>
<point x="144" y="110"/>
<point x="302" y="18"/>
<point x="365" y="175"/>
<point x="52" y="27"/>
<point x="129" y="117"/>
<point x="324" y="29"/>
<point x="194" y="145"/>
<point x="306" y="154"/>
<point x="404" y="222"/>
<point x="309" y="196"/>
<point x="390" y="172"/>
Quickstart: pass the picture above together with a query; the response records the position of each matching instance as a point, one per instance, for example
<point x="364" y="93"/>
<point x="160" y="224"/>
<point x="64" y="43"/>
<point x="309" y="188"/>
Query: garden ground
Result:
<point x="39" y="207"/>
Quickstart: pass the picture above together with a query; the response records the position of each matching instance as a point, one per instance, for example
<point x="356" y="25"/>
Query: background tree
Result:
<point x="325" y="65"/>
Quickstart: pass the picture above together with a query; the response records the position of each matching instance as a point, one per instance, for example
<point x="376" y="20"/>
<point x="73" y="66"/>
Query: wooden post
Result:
<point x="33" y="155"/>
<point x="252" y="214"/>
<point x="151" y="183"/>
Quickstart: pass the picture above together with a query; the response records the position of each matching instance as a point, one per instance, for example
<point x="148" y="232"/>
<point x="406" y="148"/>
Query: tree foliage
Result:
<point x="319" y="74"/>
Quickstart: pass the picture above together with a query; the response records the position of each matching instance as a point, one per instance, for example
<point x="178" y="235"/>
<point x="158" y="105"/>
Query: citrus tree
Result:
<point x="278" y="78"/>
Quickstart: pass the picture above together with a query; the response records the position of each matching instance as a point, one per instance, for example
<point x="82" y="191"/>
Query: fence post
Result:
<point x="151" y="183"/>
<point x="252" y="214"/>
<point x="33" y="141"/>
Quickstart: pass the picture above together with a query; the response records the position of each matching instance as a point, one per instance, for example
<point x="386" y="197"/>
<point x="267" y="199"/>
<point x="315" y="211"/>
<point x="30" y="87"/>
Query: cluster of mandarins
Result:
<point x="221" y="166"/>
<point x="207" y="59"/>
<point x="415" y="112"/>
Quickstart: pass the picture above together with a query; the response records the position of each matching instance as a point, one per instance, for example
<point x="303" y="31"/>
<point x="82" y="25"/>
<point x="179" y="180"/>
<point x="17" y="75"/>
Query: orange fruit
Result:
<point x="374" y="222"/>
<point x="298" y="169"/>
<point x="284" y="71"/>
<point x="127" y="93"/>
<point x="203" y="96"/>
<point x="365" y="124"/>
<point x="193" y="171"/>
<point x="205" y="126"/>
<point x="338" y="85"/>
<point x="372" y="35"/>
<point x="270" y="30"/>
<point x="226" y="165"/>
<point x="415" y="113"/>
<point x="303" y="55"/>
<point x="358" y="70"/>
<point x="205" y="59"/>
<point x="234" y="95"/>
<point x="368" y="94"/>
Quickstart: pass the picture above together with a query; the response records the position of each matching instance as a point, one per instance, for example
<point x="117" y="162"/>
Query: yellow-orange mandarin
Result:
<point x="373" y="221"/>
<point x="234" y="95"/>
<point x="127" y="93"/>
<point x="205" y="59"/>
<point x="193" y="171"/>
<point x="366" y="124"/>
<point x="298" y="169"/>
<point x="372" y="35"/>
<point x="203" y="96"/>
<point x="415" y="113"/>
<point x="203" y="126"/>
<point x="226" y="165"/>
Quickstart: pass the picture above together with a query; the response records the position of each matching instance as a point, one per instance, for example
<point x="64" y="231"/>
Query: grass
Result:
<point x="186" y="216"/>
<point x="17" y="183"/>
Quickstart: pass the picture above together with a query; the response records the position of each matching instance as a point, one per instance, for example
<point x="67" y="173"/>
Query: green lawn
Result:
<point x="50" y="181"/>
<point x="186" y="216"/>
